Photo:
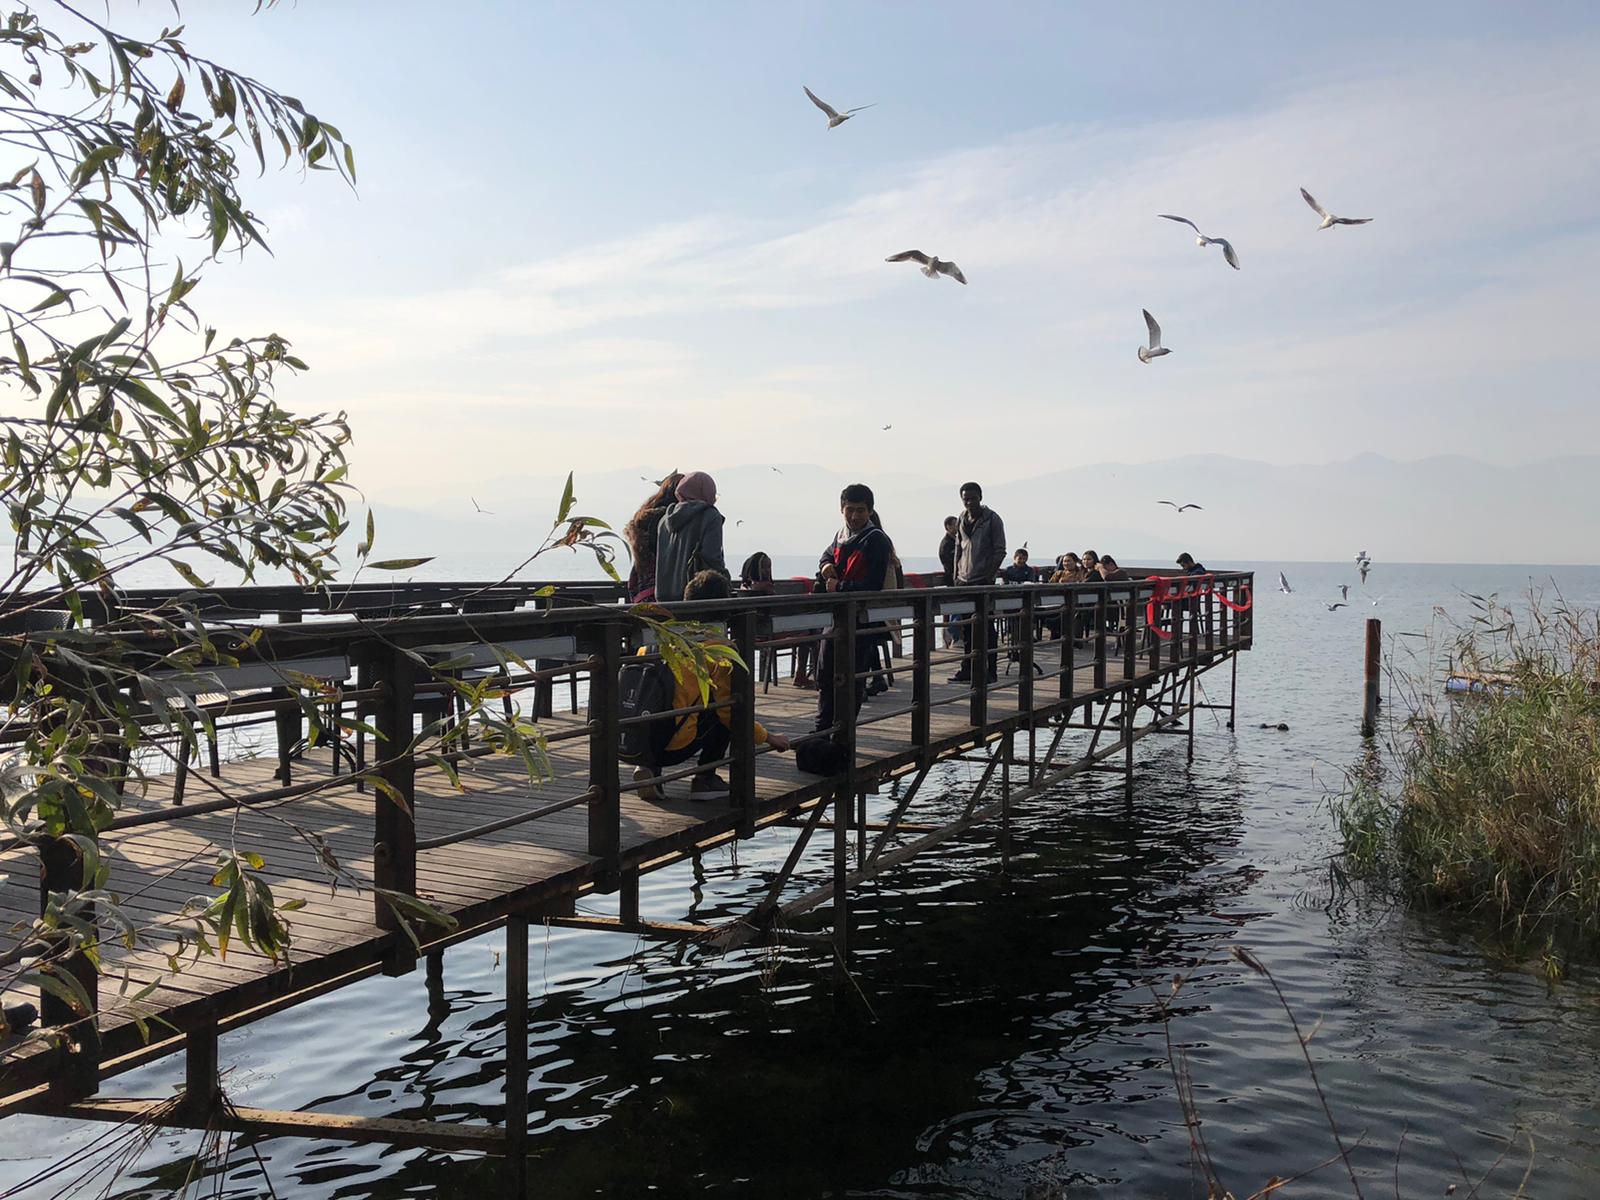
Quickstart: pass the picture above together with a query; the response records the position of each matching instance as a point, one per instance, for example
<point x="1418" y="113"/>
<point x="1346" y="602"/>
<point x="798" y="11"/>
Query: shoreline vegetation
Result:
<point x="1490" y="803"/>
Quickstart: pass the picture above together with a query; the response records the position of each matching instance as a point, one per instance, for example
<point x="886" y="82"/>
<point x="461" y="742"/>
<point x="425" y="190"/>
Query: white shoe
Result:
<point x="648" y="791"/>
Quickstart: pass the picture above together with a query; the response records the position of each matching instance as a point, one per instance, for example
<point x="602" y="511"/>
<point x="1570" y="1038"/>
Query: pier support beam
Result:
<point x="517" y="1053"/>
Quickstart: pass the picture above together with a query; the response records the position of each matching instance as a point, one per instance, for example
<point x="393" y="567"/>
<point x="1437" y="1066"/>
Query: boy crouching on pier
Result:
<point x="707" y="733"/>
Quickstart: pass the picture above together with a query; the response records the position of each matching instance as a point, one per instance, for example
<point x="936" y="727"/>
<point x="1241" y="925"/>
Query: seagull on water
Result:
<point x="1179" y="507"/>
<point x="1283" y="584"/>
<point x="1155" y="349"/>
<point x="1336" y="605"/>
<point x="932" y="266"/>
<point x="835" y="117"/>
<point x="1201" y="239"/>
<point x="1328" y="219"/>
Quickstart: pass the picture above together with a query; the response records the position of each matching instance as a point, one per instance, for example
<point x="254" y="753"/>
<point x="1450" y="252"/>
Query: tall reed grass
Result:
<point x="1491" y="801"/>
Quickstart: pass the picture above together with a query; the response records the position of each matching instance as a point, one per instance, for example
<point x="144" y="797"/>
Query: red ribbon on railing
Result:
<point x="1189" y="587"/>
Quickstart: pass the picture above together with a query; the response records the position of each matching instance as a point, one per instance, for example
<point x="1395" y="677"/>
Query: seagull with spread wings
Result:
<point x="932" y="266"/>
<point x="1336" y="605"/>
<point x="1328" y="219"/>
<point x="1283" y="584"/>
<point x="835" y="117"/>
<point x="1179" y="507"/>
<point x="1201" y="239"/>
<point x="1155" y="349"/>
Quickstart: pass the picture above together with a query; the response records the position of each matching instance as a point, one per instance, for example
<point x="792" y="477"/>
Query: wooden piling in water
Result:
<point x="1374" y="663"/>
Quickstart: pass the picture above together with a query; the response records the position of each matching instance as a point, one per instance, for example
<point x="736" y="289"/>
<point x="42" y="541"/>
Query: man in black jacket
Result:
<point x="855" y="561"/>
<point x="947" y="550"/>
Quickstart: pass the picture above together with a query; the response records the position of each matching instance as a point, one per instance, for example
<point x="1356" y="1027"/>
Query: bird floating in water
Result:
<point x="1179" y="507"/>
<point x="835" y="117"/>
<point x="1201" y="239"/>
<point x="1328" y="219"/>
<point x="1336" y="605"/>
<point x="932" y="266"/>
<point x="1283" y="584"/>
<point x="1155" y="349"/>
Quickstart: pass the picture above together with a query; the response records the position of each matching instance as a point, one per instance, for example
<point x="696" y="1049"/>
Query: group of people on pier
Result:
<point x="676" y="542"/>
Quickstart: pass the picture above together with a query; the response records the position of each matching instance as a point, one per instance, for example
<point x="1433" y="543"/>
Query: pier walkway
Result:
<point x="1086" y="672"/>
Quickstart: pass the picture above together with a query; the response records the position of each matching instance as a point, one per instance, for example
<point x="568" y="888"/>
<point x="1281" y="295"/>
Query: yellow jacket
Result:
<point x="687" y="695"/>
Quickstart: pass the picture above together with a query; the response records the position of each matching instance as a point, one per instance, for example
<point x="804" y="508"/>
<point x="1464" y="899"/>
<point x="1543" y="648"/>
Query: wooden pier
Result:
<point x="1086" y="671"/>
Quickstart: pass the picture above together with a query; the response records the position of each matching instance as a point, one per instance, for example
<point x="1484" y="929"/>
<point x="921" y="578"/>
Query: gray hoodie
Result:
<point x="980" y="547"/>
<point x="688" y="526"/>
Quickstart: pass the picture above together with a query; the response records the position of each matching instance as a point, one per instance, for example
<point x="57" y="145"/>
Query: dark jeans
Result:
<point x="994" y="654"/>
<point x="711" y="740"/>
<point x="865" y="660"/>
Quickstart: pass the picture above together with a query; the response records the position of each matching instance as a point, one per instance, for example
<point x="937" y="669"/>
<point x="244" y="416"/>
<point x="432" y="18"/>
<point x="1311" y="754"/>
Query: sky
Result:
<point x="593" y="237"/>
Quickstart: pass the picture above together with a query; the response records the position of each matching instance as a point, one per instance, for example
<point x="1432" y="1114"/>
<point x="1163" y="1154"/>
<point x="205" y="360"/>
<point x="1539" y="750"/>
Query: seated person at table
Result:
<point x="706" y="733"/>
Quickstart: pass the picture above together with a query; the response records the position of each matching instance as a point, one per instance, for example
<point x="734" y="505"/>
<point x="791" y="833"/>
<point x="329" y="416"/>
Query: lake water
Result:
<point x="1005" y="1040"/>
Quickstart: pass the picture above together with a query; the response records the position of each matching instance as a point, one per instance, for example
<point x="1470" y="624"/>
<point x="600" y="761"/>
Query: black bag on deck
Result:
<point x="644" y="688"/>
<point x="821" y="756"/>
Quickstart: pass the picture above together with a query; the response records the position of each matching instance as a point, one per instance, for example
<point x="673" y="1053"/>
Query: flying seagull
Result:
<point x="888" y="427"/>
<point x="1201" y="239"/>
<point x="480" y="508"/>
<point x="835" y="117"/>
<point x="932" y="266"/>
<point x="1366" y="565"/>
<point x="1344" y="591"/>
<point x="1337" y="604"/>
<point x="1328" y="219"/>
<point x="1156" y="349"/>
<point x="779" y="470"/>
<point x="1283" y="584"/>
<point x="1362" y="556"/>
<point x="1179" y="507"/>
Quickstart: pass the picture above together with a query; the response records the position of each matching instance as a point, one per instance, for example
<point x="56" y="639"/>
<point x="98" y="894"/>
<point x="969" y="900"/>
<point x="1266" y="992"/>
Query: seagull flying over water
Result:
<point x="932" y="266"/>
<point x="1344" y="591"/>
<point x="1283" y="584"/>
<point x="1155" y="349"/>
<point x="778" y="469"/>
<point x="1328" y="219"/>
<point x="1336" y="605"/>
<point x="1201" y="239"/>
<point x="835" y="117"/>
<point x="888" y="427"/>
<point x="480" y="508"/>
<point x="1179" y="507"/>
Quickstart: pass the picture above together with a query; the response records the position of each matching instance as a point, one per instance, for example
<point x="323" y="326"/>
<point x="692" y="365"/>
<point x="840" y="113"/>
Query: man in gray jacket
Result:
<point x="980" y="549"/>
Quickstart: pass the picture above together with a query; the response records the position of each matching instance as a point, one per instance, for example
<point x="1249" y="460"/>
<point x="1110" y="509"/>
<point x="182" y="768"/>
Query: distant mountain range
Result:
<point x="1440" y="509"/>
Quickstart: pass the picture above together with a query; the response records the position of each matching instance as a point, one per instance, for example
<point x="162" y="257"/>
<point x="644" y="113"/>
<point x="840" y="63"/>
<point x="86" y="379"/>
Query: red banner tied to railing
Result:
<point x="1189" y="587"/>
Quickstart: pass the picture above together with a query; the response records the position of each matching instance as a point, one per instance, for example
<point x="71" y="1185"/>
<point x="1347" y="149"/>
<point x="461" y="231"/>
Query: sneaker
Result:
<point x="708" y="786"/>
<point x="647" y="791"/>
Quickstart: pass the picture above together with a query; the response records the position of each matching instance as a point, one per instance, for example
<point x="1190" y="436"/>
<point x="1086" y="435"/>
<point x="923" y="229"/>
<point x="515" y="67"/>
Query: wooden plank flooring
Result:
<point x="157" y="868"/>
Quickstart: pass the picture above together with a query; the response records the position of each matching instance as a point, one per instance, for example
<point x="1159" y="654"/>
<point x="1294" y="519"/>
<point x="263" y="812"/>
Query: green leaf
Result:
<point x="567" y="500"/>
<point x="399" y="564"/>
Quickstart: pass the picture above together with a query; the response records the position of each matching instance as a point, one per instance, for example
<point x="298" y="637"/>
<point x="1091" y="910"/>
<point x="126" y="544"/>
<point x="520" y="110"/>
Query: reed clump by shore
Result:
<point x="1490" y="802"/>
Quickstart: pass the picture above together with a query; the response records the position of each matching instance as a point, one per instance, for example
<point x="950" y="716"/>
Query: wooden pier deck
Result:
<point x="539" y="868"/>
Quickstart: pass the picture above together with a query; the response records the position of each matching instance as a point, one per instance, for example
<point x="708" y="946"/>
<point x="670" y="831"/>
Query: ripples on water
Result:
<point x="1006" y="1041"/>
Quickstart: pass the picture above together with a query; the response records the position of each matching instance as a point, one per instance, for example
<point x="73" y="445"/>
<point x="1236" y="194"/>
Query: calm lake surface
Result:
<point x="1005" y="1040"/>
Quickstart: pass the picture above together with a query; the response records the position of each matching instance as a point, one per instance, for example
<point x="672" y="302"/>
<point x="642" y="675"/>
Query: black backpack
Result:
<point x="644" y="688"/>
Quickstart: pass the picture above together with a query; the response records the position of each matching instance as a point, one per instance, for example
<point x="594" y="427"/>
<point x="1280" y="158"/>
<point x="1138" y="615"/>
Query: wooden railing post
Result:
<point x="605" y="807"/>
<point x="1130" y="640"/>
<point x="742" y="770"/>
<point x="1154" y="627"/>
<point x="982" y="609"/>
<point x="1025" y="656"/>
<point x="394" y="838"/>
<point x="61" y="870"/>
<point x="844" y="685"/>
<point x="922" y="676"/>
<point x="1102" y="615"/>
<point x="1069" y="638"/>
